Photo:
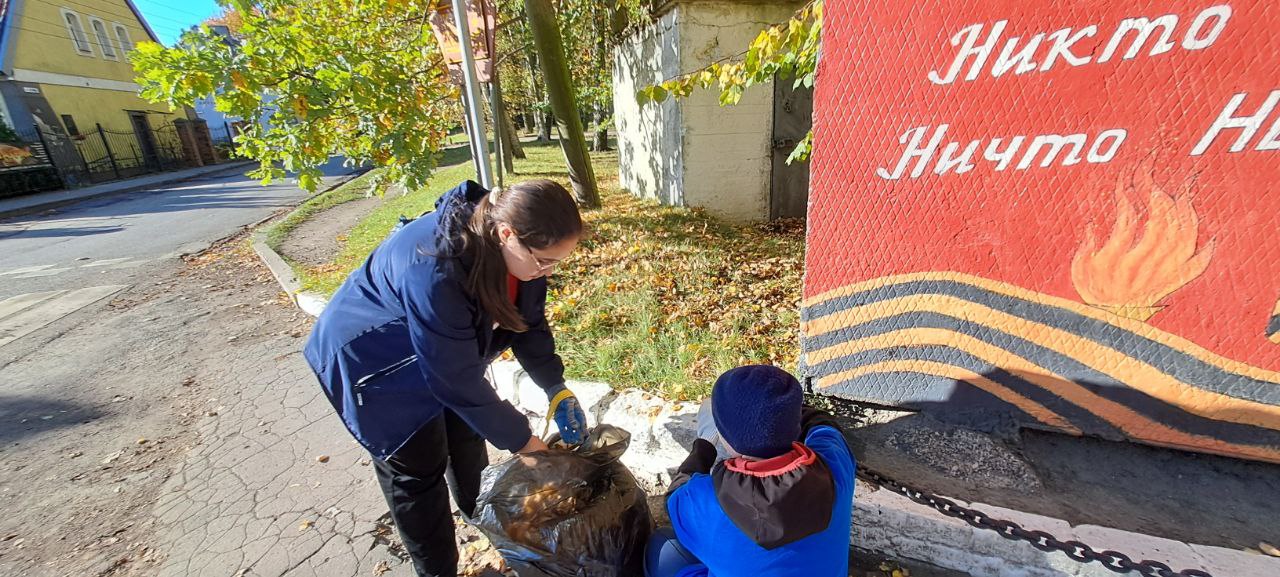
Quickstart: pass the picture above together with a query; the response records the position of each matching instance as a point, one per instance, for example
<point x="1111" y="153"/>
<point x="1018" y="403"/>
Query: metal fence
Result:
<point x="115" y="154"/>
<point x="25" y="165"/>
<point x="223" y="138"/>
<point x="44" y="158"/>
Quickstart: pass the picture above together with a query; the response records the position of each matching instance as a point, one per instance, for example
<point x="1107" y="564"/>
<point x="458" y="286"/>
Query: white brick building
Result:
<point x="693" y="152"/>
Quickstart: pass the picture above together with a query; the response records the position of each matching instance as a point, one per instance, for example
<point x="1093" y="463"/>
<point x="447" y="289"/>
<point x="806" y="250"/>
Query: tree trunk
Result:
<point x="601" y="141"/>
<point x="555" y="70"/>
<point x="510" y="143"/>
<point x="539" y="96"/>
<point x="544" y="130"/>
<point x="602" y="61"/>
<point x="510" y="136"/>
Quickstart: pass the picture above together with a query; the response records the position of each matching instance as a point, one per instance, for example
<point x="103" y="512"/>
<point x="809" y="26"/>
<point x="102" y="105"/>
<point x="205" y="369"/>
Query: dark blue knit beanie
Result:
<point x="757" y="410"/>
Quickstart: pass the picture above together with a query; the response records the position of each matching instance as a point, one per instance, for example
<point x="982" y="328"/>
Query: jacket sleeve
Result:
<point x="443" y="332"/>
<point x="536" y="347"/>
<point x="702" y="456"/>
<point x="811" y="417"/>
<point x="828" y="442"/>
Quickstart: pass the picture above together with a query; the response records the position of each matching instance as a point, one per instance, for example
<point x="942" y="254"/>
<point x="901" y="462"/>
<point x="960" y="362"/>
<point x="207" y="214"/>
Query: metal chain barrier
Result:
<point x="1113" y="560"/>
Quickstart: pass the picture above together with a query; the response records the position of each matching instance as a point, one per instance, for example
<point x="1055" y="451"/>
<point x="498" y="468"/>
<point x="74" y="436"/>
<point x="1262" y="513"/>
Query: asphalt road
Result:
<point x="110" y="240"/>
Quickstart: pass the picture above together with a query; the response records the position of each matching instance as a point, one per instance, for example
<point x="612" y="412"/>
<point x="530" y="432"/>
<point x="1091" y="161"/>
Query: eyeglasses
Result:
<point x="541" y="263"/>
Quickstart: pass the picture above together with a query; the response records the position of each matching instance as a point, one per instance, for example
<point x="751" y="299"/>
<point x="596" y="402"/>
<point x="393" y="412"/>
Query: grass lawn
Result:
<point x="353" y="189"/>
<point x="656" y="297"/>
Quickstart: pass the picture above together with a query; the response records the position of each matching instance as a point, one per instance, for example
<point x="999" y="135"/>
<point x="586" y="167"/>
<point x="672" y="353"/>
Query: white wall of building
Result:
<point x="694" y="152"/>
<point x="649" y="154"/>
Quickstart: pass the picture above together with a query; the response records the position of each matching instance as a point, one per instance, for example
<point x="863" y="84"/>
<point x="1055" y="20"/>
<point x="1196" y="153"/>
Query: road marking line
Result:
<point x="40" y="273"/>
<point x="14" y="304"/>
<point x="28" y="269"/>
<point x="15" y="326"/>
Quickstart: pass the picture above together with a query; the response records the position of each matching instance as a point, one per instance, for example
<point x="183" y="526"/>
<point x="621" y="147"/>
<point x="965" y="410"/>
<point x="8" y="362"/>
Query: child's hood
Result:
<point x="776" y="501"/>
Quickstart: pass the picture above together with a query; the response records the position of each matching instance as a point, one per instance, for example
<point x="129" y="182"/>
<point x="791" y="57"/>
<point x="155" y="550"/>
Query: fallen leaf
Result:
<point x="322" y="459"/>
<point x="1269" y="549"/>
<point x="381" y="567"/>
<point x="306" y="525"/>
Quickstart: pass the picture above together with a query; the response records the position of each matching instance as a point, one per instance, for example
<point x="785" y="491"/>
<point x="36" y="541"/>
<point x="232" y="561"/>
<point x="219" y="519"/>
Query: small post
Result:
<point x="231" y="139"/>
<point x="497" y="124"/>
<point x="112" y="157"/>
<point x="48" y="154"/>
<point x="471" y="92"/>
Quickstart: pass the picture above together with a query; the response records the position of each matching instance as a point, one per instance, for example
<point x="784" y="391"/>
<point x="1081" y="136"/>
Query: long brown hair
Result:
<point x="542" y="213"/>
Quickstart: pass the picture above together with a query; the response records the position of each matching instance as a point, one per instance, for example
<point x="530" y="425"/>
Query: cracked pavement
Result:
<point x="175" y="429"/>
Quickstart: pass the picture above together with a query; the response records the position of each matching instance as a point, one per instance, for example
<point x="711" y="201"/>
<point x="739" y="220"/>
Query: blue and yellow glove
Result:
<point x="568" y="415"/>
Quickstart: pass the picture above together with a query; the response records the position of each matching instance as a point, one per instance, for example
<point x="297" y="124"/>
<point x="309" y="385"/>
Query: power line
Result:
<point x="90" y="35"/>
<point x="180" y="11"/>
<point x="130" y="15"/>
<point x="92" y="42"/>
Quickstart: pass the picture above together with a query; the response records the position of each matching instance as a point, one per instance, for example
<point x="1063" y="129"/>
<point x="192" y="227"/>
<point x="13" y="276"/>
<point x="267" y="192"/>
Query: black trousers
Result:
<point x="413" y="481"/>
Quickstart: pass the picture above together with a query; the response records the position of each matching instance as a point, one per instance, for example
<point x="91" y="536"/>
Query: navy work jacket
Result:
<point x="402" y="340"/>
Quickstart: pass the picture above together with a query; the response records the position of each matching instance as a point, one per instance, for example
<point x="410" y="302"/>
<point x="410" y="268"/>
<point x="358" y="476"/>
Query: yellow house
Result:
<point x="64" y="67"/>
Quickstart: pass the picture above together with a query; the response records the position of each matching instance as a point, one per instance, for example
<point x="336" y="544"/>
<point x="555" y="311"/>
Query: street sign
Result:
<point x="480" y="23"/>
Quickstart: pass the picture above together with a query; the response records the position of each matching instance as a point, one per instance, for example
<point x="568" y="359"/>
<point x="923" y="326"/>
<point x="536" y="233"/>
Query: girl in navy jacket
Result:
<point x="401" y="350"/>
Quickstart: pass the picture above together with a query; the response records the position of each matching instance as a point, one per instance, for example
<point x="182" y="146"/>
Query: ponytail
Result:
<point x="541" y="212"/>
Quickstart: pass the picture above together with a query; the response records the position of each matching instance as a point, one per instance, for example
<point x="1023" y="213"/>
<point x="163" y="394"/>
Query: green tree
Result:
<point x="359" y="78"/>
<point x="560" y="93"/>
<point x="786" y="51"/>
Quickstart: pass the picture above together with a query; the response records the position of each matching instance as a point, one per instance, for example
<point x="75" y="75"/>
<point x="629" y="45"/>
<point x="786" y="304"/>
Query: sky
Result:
<point x="170" y="17"/>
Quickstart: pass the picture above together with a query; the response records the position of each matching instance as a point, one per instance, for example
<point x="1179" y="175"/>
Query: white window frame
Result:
<point x="105" y="46"/>
<point x="123" y="40"/>
<point x="79" y="26"/>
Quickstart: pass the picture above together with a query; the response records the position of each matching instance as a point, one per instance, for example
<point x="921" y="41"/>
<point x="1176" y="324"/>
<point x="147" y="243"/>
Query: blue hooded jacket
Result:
<point x="785" y="517"/>
<point x="402" y="339"/>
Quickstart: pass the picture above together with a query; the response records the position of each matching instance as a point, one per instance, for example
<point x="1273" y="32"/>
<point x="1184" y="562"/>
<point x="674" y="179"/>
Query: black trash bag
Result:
<point x="567" y="512"/>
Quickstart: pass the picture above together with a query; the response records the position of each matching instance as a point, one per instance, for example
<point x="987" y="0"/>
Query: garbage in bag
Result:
<point x="567" y="512"/>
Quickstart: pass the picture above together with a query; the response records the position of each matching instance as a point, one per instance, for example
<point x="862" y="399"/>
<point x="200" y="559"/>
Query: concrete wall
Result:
<point x="727" y="155"/>
<point x="693" y="152"/>
<point x="649" y="155"/>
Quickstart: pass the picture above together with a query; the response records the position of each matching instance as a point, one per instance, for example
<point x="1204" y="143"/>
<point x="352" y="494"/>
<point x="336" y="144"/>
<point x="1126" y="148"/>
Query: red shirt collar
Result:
<point x="513" y="287"/>
<point x="798" y="456"/>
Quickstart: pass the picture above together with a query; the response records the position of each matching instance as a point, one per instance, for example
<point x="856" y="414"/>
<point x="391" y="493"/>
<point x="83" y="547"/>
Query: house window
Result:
<point x="76" y="30"/>
<point x="70" y="123"/>
<point x="104" y="40"/>
<point x="122" y="35"/>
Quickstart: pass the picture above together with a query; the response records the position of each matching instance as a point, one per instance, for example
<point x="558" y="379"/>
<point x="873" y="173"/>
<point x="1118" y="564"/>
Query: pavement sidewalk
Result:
<point x="44" y="200"/>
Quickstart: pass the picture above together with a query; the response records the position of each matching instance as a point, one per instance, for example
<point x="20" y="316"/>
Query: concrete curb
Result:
<point x="310" y="303"/>
<point x="71" y="196"/>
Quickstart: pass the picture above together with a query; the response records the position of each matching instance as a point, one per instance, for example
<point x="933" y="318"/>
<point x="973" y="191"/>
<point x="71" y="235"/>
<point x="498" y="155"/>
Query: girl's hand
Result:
<point x="534" y="444"/>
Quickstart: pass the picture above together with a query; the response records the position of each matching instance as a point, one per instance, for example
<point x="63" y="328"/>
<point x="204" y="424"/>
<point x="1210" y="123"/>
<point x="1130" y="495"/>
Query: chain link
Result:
<point x="1113" y="560"/>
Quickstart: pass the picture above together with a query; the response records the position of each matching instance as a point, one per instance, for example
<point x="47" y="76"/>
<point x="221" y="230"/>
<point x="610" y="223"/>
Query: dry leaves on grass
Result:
<point x="737" y="287"/>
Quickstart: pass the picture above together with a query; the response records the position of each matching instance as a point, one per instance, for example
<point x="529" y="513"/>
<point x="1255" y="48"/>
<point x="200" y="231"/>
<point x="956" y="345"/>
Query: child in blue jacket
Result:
<point x="779" y="506"/>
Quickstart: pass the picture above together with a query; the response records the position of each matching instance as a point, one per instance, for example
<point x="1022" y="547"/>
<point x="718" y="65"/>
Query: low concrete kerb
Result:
<point x="310" y="302"/>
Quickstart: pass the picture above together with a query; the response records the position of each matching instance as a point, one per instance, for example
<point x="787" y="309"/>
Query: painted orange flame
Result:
<point x="1129" y="275"/>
